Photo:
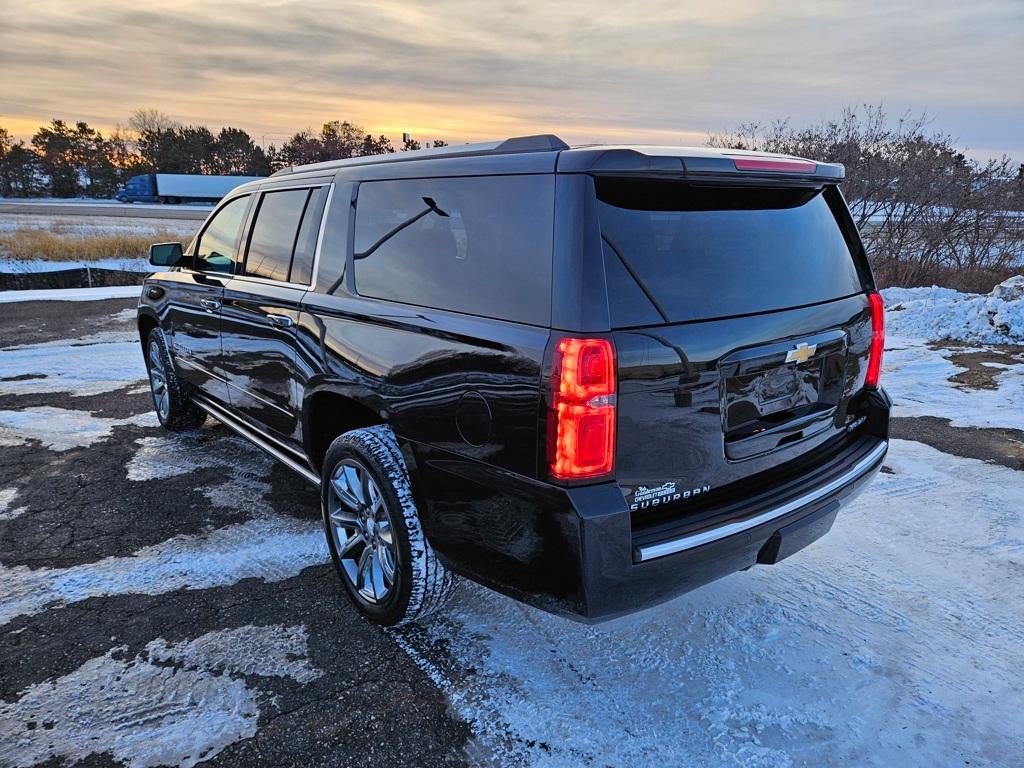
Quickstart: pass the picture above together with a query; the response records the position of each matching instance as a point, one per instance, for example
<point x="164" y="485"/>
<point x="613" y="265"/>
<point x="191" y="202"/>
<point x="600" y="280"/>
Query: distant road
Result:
<point x="104" y="208"/>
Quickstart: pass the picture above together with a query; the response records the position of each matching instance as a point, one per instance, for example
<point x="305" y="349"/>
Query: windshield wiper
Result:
<point x="636" y="278"/>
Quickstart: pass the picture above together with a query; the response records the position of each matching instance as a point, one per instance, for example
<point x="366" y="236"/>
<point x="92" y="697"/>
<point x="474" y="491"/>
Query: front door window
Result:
<point x="217" y="245"/>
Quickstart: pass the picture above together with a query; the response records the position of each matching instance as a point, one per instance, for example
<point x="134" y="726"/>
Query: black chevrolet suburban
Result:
<point x="591" y="378"/>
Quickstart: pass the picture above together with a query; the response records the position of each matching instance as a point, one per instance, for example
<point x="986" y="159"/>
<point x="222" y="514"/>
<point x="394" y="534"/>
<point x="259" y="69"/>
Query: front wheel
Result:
<point x="385" y="563"/>
<point x="174" y="407"/>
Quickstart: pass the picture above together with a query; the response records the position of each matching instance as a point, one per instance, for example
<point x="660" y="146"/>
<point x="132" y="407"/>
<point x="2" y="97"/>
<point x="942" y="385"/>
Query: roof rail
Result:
<point x="544" y="142"/>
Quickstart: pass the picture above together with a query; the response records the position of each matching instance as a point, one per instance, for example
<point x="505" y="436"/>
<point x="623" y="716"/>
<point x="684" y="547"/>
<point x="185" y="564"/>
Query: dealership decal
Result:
<point x="665" y="493"/>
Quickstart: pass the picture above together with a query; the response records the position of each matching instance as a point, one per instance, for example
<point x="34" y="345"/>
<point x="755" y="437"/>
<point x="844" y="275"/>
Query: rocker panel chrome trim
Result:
<point x="257" y="438"/>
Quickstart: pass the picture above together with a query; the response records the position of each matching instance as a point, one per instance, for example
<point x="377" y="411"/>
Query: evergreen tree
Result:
<point x="60" y="151"/>
<point x="237" y="154"/>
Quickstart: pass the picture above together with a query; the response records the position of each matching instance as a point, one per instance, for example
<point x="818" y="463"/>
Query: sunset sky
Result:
<point x="664" y="72"/>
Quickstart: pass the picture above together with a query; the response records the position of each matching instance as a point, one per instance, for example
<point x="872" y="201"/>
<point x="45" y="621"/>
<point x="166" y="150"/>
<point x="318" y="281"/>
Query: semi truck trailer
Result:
<point x="179" y="188"/>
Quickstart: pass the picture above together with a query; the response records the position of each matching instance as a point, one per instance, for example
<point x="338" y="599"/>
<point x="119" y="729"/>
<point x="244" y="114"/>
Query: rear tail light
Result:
<point x="581" y="441"/>
<point x="877" y="340"/>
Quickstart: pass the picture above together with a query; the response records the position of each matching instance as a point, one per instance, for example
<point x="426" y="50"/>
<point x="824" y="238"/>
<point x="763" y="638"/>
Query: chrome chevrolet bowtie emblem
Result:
<point x="801" y="354"/>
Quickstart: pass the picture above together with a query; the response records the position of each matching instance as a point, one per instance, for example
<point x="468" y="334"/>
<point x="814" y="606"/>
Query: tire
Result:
<point x="173" y="406"/>
<point x="387" y="567"/>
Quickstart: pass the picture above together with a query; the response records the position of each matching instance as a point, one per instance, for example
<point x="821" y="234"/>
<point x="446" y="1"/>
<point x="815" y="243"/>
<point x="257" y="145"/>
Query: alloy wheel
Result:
<point x="362" y="532"/>
<point x="158" y="381"/>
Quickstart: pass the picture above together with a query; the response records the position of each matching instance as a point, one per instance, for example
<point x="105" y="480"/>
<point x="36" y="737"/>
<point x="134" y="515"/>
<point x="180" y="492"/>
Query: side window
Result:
<point x="273" y="235"/>
<point x="479" y="245"/>
<point x="215" y="248"/>
<point x="305" y="243"/>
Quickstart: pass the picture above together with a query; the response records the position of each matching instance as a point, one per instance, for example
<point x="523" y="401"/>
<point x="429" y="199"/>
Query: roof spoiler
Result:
<point x="698" y="164"/>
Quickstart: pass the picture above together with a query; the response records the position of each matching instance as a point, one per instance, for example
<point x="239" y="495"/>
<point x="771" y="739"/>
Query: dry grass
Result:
<point x="31" y="243"/>
<point x="972" y="280"/>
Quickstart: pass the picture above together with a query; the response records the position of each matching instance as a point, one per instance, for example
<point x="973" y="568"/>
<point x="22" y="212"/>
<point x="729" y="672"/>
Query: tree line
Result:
<point x="927" y="212"/>
<point x="70" y="160"/>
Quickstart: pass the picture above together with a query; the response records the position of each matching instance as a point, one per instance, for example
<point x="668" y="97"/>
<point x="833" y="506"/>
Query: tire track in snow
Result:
<point x="174" y="704"/>
<point x="897" y="634"/>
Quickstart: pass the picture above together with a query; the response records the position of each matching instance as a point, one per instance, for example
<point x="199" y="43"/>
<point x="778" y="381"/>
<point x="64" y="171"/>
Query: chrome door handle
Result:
<point x="210" y="304"/>
<point x="281" y="321"/>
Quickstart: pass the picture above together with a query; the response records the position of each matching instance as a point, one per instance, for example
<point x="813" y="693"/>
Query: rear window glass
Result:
<point x="479" y="245"/>
<point x="701" y="252"/>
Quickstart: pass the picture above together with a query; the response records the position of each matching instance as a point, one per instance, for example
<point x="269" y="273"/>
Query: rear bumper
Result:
<point x="669" y="562"/>
<point x="574" y="551"/>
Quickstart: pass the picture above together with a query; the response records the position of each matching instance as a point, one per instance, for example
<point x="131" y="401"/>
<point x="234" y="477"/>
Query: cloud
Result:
<point x="666" y="71"/>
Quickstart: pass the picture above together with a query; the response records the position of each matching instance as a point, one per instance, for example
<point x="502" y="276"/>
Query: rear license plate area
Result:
<point x="768" y="402"/>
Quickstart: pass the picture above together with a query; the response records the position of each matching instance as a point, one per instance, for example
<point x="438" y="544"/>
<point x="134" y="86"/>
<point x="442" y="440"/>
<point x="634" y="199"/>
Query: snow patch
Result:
<point x="246" y="468"/>
<point x="894" y="635"/>
<point x="103" y="362"/>
<point x="72" y="294"/>
<point x="100" y="337"/>
<point x="917" y="379"/>
<point x="272" y="549"/>
<point x="943" y="313"/>
<point x="7" y="509"/>
<point x="264" y="651"/>
<point x="173" y="454"/>
<point x="60" y="429"/>
<point x="176" y="704"/>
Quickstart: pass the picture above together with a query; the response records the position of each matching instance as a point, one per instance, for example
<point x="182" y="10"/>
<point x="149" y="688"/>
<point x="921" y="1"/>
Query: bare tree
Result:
<point x="152" y="121"/>
<point x="927" y="212"/>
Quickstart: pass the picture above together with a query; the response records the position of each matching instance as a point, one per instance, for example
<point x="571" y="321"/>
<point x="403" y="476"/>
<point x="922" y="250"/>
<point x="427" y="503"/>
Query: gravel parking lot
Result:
<point x="165" y="600"/>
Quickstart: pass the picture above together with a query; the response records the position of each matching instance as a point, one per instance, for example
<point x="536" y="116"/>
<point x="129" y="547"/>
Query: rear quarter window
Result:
<point x="273" y="235"/>
<point x="703" y="252"/>
<point x="478" y="245"/>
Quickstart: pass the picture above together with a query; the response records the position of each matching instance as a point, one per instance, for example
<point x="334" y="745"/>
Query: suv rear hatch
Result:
<point x="742" y="331"/>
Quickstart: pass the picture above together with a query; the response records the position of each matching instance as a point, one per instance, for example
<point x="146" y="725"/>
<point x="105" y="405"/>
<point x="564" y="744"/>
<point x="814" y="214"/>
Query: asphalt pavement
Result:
<point x="165" y="599"/>
<point x="76" y="510"/>
<point x="56" y="206"/>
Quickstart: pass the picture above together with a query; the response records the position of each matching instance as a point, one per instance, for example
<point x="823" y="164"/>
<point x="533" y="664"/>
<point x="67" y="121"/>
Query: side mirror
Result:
<point x="165" y="254"/>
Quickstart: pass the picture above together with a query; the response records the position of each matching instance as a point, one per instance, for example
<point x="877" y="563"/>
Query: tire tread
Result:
<point x="432" y="585"/>
<point x="183" y="414"/>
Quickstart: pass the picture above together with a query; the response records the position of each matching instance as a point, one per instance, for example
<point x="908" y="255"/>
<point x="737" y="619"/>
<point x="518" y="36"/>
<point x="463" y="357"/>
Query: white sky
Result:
<point x="642" y="71"/>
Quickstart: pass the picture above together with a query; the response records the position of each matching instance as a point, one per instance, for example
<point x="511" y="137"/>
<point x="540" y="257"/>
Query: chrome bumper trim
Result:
<point x="729" y="529"/>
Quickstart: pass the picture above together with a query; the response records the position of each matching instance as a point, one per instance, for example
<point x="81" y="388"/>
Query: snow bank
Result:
<point x="943" y="313"/>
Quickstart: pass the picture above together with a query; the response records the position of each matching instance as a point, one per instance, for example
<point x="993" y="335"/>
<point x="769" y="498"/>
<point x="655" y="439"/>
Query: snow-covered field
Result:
<point x="896" y="640"/>
<point x="86" y="228"/>
<point x="80" y="226"/>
